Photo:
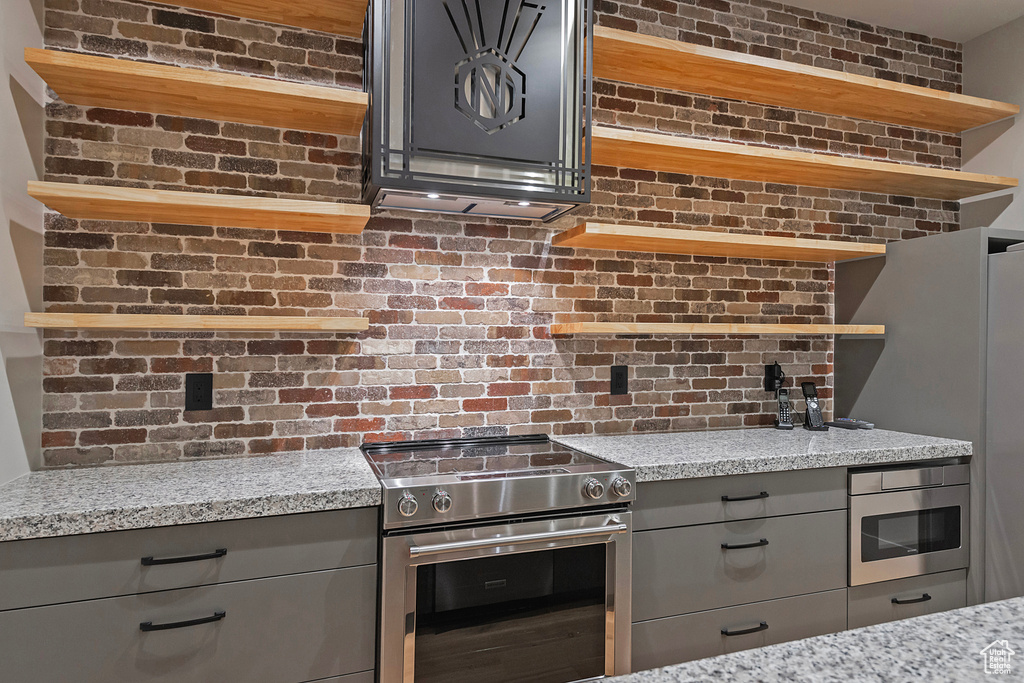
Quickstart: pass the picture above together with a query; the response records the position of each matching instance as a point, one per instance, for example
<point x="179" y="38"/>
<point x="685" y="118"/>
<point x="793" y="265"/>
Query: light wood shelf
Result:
<point x="183" y="323"/>
<point x="705" y="243"/>
<point x="101" y="202"/>
<point x="663" y="63"/>
<point x="659" y="152"/>
<point x="344" y="17"/>
<point x="712" y="328"/>
<point x="91" y="81"/>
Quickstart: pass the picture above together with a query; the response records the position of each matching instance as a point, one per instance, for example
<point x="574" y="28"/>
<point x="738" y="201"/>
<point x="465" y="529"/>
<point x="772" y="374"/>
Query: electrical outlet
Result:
<point x="199" y="391"/>
<point x="620" y="380"/>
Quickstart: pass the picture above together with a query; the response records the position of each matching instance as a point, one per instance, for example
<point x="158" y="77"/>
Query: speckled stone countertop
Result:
<point x="691" y="455"/>
<point x="82" y="501"/>
<point x="938" y="648"/>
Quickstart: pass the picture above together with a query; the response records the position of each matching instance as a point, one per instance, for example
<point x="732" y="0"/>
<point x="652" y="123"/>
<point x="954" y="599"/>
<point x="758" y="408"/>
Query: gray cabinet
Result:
<point x="666" y="504"/>
<point x="293" y="599"/>
<point x="762" y="557"/>
<point x="944" y="368"/>
<point x="703" y="567"/>
<point x="55" y="570"/>
<point x="661" y="642"/>
<point x="876" y="603"/>
<point x="285" y="629"/>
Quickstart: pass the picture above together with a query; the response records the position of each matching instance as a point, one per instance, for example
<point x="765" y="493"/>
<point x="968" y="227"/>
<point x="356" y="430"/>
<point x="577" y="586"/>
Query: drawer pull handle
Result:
<point x="912" y="601"/>
<point x="740" y="546"/>
<point x="763" y="626"/>
<point x="148" y="626"/>
<point x="756" y="496"/>
<point x="151" y="561"/>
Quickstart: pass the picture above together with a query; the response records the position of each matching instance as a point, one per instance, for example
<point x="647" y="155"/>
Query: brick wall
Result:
<point x="459" y="309"/>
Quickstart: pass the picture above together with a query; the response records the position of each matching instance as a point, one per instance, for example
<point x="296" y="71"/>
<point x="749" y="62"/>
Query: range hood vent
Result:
<point x="478" y="107"/>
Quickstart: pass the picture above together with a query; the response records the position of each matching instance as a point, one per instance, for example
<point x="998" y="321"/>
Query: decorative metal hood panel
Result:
<point x="478" y="106"/>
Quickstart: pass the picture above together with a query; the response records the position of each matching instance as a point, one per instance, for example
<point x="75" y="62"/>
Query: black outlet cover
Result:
<point x="774" y="378"/>
<point x="620" y="380"/>
<point x="199" y="391"/>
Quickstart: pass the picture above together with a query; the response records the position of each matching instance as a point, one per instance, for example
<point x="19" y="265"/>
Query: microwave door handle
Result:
<point x="477" y="543"/>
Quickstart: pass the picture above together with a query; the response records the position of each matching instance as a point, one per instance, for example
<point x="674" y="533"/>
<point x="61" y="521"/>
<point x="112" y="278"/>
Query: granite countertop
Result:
<point x="937" y="648"/>
<point x="81" y="501"/>
<point x="691" y="455"/>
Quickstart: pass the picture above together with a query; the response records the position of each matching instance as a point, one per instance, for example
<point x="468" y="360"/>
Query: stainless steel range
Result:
<point x="504" y="559"/>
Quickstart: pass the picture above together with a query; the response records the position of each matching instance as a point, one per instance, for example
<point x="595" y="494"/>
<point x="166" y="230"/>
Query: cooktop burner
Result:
<point x="441" y="481"/>
<point x="474" y="458"/>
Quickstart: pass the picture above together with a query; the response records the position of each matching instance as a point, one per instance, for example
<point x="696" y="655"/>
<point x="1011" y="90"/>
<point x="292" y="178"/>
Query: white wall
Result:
<point x="993" y="69"/>
<point x="21" y="238"/>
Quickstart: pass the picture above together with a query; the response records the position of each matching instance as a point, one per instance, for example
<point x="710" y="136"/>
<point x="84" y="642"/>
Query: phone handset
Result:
<point x="785" y="418"/>
<point x="813" y="420"/>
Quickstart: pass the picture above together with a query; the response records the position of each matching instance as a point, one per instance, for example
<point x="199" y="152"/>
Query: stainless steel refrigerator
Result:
<point x="951" y="364"/>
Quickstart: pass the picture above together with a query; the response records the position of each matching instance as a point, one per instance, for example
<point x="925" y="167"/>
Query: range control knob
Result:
<point x="442" y="501"/>
<point x="621" y="487"/>
<point x="592" y="488"/>
<point x="407" y="505"/>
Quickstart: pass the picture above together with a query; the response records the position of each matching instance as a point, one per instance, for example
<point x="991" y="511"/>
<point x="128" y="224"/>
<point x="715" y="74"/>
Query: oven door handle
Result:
<point x="477" y="543"/>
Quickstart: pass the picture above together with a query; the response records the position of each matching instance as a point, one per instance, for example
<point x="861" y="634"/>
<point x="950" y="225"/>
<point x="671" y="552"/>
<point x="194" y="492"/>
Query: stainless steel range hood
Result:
<point x="478" y="107"/>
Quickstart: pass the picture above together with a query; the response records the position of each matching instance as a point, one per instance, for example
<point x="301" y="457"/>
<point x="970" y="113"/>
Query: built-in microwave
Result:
<point x="908" y="522"/>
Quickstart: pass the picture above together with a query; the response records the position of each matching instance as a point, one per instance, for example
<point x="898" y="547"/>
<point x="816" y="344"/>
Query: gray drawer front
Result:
<point x="677" y="571"/>
<point x="662" y="642"/>
<point x="664" y="504"/>
<point x="287" y="629"/>
<point x="872" y="603"/>
<point x="55" y="570"/>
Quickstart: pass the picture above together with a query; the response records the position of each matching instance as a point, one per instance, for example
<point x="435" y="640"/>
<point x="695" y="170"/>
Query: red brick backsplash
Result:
<point x="459" y="308"/>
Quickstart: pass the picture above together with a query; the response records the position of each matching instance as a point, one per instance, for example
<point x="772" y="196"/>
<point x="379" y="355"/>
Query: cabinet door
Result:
<point x="662" y="642"/>
<point x="287" y="629"/>
<point x="55" y="570"/>
<point x="914" y="596"/>
<point x="664" y="504"/>
<point x="676" y="571"/>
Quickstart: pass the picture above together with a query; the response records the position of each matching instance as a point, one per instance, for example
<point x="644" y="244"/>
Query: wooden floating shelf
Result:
<point x="101" y="202"/>
<point x="185" y="323"/>
<point x="658" y="152"/>
<point x="705" y="243"/>
<point x="662" y="63"/>
<point x="344" y="17"/>
<point x="91" y="81"/>
<point x="712" y="328"/>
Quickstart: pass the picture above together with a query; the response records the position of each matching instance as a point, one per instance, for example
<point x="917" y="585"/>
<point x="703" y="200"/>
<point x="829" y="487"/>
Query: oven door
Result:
<point x="908" y="533"/>
<point x="544" y="601"/>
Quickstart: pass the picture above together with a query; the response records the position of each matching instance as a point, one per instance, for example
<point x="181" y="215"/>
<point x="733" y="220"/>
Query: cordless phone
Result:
<point x="813" y="421"/>
<point x="785" y="418"/>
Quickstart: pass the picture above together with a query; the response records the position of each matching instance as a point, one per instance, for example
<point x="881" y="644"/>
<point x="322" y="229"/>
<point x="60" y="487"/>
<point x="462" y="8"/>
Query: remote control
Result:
<point x="850" y="423"/>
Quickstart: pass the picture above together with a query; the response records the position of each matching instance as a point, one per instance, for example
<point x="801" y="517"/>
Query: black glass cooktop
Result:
<point x="475" y="458"/>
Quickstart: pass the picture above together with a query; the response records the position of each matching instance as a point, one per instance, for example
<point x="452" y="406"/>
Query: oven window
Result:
<point x="536" y="617"/>
<point x="900" y="534"/>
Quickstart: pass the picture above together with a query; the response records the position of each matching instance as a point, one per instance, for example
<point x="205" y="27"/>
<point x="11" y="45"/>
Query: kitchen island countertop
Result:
<point x="938" y="648"/>
<point x="691" y="455"/>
